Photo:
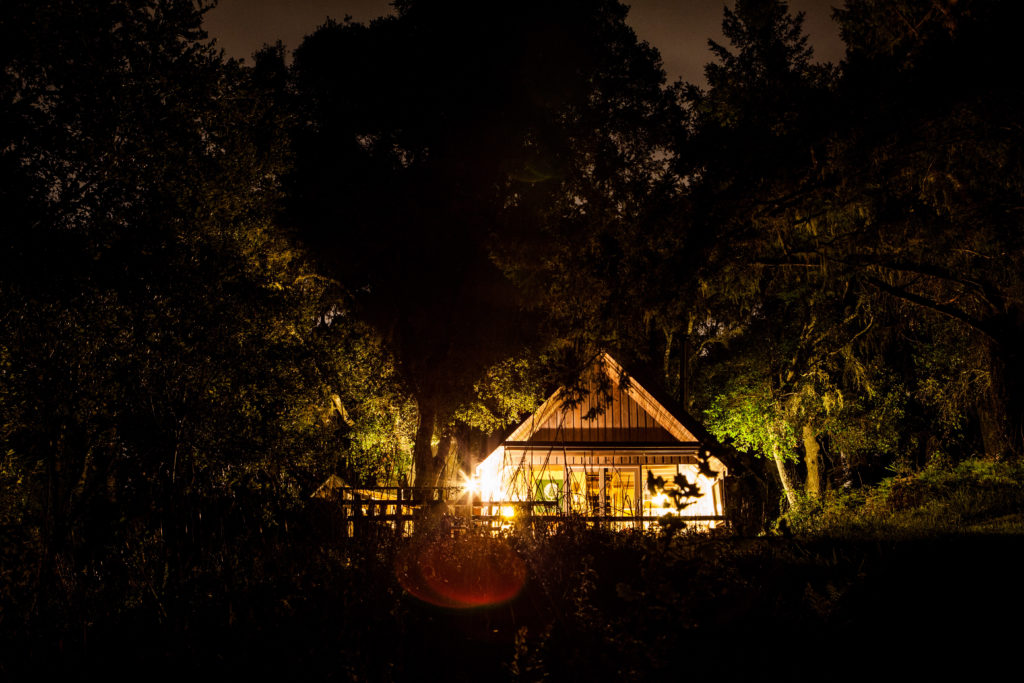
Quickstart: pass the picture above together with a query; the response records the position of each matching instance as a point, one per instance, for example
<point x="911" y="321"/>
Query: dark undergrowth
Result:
<point x="972" y="496"/>
<point x="891" y="599"/>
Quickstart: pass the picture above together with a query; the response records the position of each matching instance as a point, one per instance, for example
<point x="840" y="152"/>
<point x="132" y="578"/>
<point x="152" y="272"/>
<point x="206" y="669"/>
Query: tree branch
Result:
<point x="925" y="302"/>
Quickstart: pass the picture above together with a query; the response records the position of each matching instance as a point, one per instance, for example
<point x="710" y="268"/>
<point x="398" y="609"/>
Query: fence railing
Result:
<point x="448" y="508"/>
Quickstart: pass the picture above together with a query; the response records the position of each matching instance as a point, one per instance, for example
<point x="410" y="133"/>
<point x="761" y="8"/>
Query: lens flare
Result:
<point x="464" y="572"/>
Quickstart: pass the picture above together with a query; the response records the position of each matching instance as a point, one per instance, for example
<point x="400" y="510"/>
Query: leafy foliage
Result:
<point x="976" y="496"/>
<point x="846" y="257"/>
<point x="750" y="418"/>
<point x="160" y="395"/>
<point x="507" y="391"/>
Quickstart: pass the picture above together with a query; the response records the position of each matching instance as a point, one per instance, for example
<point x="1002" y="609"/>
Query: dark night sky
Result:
<point x="678" y="28"/>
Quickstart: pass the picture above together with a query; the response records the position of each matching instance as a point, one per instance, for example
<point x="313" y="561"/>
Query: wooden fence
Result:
<point x="451" y="510"/>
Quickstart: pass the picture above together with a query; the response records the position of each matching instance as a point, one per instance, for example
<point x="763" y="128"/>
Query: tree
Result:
<point x="797" y="381"/>
<point x="919" y="182"/>
<point x="787" y="331"/>
<point x="443" y="142"/>
<point x="944" y="175"/>
<point x="157" y="346"/>
<point x="857" y="225"/>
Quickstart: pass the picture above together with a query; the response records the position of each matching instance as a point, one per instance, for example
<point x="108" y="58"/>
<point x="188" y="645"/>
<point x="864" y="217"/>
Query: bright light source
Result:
<point x="659" y="506"/>
<point x="488" y="484"/>
<point x="470" y="485"/>
<point x="508" y="511"/>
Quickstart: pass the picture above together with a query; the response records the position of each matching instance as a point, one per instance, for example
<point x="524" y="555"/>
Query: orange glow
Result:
<point x="465" y="572"/>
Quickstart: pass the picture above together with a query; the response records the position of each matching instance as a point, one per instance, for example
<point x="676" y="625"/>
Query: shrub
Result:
<point x="973" y="495"/>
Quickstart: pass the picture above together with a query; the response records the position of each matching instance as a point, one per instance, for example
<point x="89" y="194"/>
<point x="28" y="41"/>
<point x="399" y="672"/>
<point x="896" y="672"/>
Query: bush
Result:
<point x="970" y="496"/>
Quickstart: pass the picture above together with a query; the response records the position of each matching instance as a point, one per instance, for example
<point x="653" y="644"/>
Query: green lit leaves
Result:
<point x="507" y="391"/>
<point x="752" y="419"/>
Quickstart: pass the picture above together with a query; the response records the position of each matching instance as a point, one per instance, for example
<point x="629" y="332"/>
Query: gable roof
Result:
<point x="639" y="414"/>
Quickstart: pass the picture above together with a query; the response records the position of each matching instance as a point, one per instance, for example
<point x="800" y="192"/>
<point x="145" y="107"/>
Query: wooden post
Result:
<point x="343" y="498"/>
<point x="399" y="514"/>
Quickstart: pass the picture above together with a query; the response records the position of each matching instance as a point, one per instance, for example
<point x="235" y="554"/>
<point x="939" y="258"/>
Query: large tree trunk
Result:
<point x="787" y="481"/>
<point x="429" y="465"/>
<point x="444" y="447"/>
<point x="422" y="452"/>
<point x="815" y="485"/>
<point x="992" y="425"/>
<point x="1001" y="410"/>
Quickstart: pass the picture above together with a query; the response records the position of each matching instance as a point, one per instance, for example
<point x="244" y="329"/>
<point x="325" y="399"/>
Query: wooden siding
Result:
<point x="549" y="456"/>
<point x="616" y="418"/>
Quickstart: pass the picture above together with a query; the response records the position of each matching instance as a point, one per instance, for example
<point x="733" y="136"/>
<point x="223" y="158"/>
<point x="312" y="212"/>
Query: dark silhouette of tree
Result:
<point x="751" y="134"/>
<point x="160" y="397"/>
<point x="450" y="140"/>
<point x="910" y="201"/>
<point x="853" y="225"/>
<point x="929" y="220"/>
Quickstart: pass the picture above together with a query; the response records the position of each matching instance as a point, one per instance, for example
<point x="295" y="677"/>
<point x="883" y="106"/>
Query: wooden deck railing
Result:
<point x="451" y="507"/>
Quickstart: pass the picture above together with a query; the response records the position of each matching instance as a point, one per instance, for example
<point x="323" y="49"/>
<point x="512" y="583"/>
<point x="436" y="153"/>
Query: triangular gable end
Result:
<point x="630" y="414"/>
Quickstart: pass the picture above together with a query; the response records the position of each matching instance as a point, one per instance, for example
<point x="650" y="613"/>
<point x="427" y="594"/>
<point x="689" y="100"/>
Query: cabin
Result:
<point x="607" y="450"/>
